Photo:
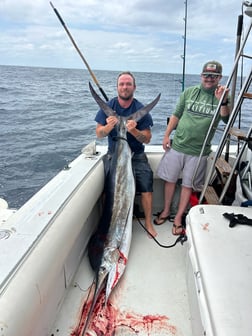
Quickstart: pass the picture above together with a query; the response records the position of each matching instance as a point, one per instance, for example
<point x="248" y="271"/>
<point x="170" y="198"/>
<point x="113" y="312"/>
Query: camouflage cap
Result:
<point x="212" y="67"/>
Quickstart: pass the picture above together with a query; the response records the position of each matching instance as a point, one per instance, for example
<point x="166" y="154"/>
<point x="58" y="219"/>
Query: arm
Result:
<point x="225" y="109"/>
<point x="175" y="117"/>
<point x="143" y="136"/>
<point x="170" y="127"/>
<point x="103" y="130"/>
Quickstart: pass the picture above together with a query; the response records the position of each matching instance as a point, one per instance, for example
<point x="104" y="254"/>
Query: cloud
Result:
<point x="140" y="35"/>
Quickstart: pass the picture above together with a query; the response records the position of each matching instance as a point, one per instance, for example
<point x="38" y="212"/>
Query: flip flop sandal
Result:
<point x="160" y="220"/>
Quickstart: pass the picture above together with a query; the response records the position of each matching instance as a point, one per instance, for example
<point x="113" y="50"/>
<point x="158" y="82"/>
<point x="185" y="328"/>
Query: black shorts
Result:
<point x="143" y="173"/>
<point x="141" y="170"/>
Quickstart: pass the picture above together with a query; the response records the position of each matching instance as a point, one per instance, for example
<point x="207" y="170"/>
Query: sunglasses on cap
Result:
<point x="210" y="76"/>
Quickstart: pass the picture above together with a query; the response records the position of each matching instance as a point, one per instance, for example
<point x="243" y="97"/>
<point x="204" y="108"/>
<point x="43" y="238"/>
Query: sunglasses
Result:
<point x="210" y="76"/>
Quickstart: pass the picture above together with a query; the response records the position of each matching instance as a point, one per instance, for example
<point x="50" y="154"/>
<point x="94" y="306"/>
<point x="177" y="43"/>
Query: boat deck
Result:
<point x="151" y="298"/>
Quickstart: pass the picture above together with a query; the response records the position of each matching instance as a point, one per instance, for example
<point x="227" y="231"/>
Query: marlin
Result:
<point x="109" y="246"/>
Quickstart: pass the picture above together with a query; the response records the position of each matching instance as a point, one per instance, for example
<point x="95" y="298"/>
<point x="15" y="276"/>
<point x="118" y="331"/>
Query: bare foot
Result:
<point x="151" y="230"/>
<point x="177" y="229"/>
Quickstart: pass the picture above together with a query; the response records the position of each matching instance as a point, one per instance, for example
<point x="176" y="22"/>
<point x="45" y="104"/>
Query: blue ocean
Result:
<point x="47" y="117"/>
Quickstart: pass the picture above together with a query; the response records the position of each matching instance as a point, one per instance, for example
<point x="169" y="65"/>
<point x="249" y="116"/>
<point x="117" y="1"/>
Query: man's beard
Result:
<point x="126" y="98"/>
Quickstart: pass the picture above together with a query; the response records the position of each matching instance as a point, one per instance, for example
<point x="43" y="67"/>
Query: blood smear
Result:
<point x="108" y="320"/>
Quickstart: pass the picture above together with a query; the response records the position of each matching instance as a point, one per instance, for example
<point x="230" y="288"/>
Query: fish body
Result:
<point x="110" y="245"/>
<point x="118" y="238"/>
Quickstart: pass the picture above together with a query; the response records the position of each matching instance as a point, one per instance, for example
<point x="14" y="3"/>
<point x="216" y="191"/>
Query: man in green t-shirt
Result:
<point x="191" y="118"/>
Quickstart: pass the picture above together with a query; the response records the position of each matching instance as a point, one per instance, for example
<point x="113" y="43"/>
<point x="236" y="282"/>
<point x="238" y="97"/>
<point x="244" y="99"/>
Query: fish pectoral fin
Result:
<point x="146" y="109"/>
<point x="108" y="110"/>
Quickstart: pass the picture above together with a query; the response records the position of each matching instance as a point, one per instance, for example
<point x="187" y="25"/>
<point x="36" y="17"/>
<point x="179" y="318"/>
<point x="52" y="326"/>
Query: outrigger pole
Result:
<point x="233" y="89"/>
<point x="184" y="54"/>
<point x="79" y="52"/>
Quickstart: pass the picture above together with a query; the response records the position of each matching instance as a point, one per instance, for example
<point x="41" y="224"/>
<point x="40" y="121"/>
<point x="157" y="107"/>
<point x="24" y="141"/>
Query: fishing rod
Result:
<point x="79" y="52"/>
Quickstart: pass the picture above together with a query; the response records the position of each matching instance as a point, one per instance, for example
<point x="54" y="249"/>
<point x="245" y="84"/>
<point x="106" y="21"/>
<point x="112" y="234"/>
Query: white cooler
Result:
<point x="219" y="274"/>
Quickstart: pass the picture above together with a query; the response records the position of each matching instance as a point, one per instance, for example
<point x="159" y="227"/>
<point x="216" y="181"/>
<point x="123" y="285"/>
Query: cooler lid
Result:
<point x="224" y="261"/>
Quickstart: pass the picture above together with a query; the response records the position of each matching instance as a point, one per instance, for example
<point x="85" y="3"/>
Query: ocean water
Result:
<point x="47" y="117"/>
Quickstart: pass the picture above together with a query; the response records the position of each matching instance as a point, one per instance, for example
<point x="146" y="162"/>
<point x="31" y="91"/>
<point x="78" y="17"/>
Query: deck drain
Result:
<point x="5" y="234"/>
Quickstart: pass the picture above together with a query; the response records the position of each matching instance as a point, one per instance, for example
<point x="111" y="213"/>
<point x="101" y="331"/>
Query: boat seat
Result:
<point x="154" y="159"/>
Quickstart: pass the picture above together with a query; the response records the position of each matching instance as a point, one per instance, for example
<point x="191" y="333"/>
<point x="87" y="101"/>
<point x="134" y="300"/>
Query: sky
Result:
<point x="135" y="35"/>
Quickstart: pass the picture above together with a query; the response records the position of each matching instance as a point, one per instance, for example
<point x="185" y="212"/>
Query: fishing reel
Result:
<point x="247" y="3"/>
<point x="248" y="10"/>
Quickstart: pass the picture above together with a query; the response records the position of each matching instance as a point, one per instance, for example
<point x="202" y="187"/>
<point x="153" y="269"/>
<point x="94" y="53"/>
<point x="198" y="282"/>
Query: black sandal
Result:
<point x="160" y="220"/>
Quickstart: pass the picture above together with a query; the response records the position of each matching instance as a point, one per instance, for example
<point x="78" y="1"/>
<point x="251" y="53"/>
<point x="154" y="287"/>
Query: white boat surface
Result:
<point x="200" y="287"/>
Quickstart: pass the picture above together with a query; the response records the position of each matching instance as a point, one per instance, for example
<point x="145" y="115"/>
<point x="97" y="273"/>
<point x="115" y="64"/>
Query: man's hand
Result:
<point x="219" y="92"/>
<point x="111" y="121"/>
<point x="131" y="125"/>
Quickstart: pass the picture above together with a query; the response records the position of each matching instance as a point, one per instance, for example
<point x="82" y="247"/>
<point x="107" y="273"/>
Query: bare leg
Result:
<point x="183" y="203"/>
<point x="146" y="198"/>
<point x="169" y="189"/>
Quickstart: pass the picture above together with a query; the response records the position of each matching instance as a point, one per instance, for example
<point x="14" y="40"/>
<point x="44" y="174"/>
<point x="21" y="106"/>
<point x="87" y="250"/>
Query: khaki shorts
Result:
<point x="174" y="165"/>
